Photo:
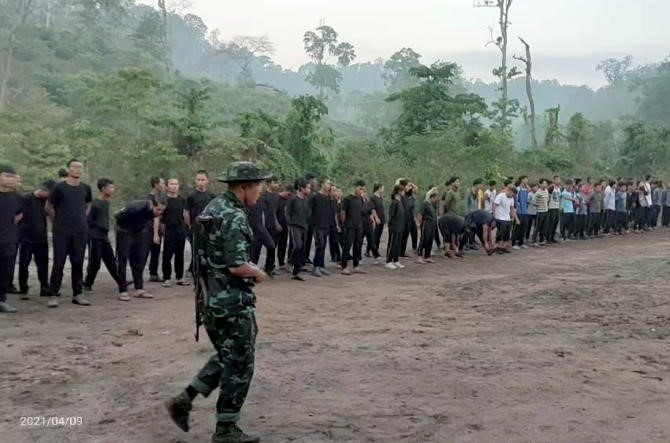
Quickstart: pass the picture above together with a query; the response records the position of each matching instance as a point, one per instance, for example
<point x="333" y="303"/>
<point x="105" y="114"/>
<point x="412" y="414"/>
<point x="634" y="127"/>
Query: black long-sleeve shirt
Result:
<point x="134" y="216"/>
<point x="271" y="209"/>
<point x="297" y="212"/>
<point x="321" y="210"/>
<point x="397" y="220"/>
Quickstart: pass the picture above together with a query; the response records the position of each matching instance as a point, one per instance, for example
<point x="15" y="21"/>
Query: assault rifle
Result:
<point x="200" y="265"/>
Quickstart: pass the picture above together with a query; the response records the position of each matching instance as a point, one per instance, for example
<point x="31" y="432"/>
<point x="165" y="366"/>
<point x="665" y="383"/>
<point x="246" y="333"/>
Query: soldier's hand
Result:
<point x="157" y="239"/>
<point x="260" y="277"/>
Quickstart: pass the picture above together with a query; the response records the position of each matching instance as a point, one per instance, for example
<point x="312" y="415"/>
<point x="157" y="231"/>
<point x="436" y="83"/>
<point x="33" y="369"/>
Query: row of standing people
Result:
<point x="79" y="222"/>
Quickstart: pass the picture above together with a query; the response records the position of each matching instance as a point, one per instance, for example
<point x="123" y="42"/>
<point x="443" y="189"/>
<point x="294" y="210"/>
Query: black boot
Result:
<point x="178" y="408"/>
<point x="231" y="433"/>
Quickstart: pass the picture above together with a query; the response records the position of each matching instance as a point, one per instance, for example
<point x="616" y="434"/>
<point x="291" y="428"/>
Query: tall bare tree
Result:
<point x="244" y="49"/>
<point x="501" y="42"/>
<point x="528" y="62"/>
<point x="17" y="12"/>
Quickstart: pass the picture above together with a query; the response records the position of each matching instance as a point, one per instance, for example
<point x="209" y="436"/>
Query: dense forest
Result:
<point x="136" y="91"/>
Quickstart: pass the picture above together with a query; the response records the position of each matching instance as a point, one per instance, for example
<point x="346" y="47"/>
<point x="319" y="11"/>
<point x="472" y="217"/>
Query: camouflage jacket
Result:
<point x="226" y="245"/>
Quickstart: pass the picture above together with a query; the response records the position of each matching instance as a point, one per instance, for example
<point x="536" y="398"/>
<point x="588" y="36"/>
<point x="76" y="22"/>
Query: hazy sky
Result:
<point x="567" y="37"/>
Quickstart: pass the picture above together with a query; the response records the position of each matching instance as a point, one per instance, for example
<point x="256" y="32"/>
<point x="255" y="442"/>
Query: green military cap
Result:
<point x="243" y="172"/>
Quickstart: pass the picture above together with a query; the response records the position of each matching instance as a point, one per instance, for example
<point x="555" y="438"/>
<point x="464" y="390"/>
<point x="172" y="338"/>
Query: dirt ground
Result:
<point x="564" y="344"/>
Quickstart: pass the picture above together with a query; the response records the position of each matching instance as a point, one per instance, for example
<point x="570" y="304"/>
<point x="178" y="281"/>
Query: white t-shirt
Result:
<point x="504" y="205"/>
<point x="609" y="202"/>
<point x="647" y="188"/>
<point x="489" y="196"/>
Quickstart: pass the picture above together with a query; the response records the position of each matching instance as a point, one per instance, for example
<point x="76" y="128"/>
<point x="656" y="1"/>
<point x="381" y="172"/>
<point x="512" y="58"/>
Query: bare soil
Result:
<point x="565" y="344"/>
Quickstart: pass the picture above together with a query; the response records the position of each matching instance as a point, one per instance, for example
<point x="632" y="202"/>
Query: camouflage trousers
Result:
<point x="232" y="367"/>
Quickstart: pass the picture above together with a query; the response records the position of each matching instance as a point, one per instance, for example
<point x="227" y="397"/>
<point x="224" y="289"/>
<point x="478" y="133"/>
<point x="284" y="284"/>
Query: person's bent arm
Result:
<point x="156" y="229"/>
<point x="247" y="270"/>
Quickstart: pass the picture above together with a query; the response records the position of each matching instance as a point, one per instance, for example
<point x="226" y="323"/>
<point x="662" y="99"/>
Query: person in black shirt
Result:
<point x="69" y="202"/>
<point x="175" y="220"/>
<point x="33" y="239"/>
<point x="370" y="222"/>
<point x="196" y="202"/>
<point x="10" y="215"/>
<point x="397" y="223"/>
<point x="451" y="227"/>
<point x="154" y="235"/>
<point x="256" y="214"/>
<point x="320" y="210"/>
<point x="377" y="200"/>
<point x="271" y="205"/>
<point x="132" y="223"/>
<point x="428" y="226"/>
<point x="335" y="231"/>
<point x="480" y="223"/>
<point x="99" y="247"/>
<point x="411" y="231"/>
<point x="283" y="235"/>
<point x="313" y="186"/>
<point x="352" y="221"/>
<point x="297" y="214"/>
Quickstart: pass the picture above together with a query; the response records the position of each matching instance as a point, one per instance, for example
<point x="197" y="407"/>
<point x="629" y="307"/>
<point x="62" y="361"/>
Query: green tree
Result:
<point x="614" y="70"/>
<point x="432" y="106"/>
<point x="320" y="46"/>
<point x="654" y="106"/>
<point x="645" y="149"/>
<point x="552" y="132"/>
<point x="577" y="133"/>
<point x="397" y="69"/>
<point x="301" y="132"/>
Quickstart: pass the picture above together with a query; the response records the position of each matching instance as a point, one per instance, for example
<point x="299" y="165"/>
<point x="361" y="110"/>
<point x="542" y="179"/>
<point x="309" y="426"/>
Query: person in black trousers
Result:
<point x="69" y="202"/>
<point x="397" y="223"/>
<point x="99" y="247"/>
<point x="132" y="223"/>
<point x="320" y="213"/>
<point x="351" y="217"/>
<point x="411" y="230"/>
<point x="282" y="236"/>
<point x="297" y="215"/>
<point x="271" y="204"/>
<point x="335" y="230"/>
<point x="428" y="226"/>
<point x="153" y="233"/>
<point x="261" y="235"/>
<point x="33" y="239"/>
<point x="313" y="185"/>
<point x="370" y="222"/>
<point x="175" y="219"/>
<point x="10" y="215"/>
<point x="377" y="200"/>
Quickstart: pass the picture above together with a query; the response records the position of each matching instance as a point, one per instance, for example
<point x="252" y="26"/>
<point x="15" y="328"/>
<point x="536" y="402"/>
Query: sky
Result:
<point x="568" y="37"/>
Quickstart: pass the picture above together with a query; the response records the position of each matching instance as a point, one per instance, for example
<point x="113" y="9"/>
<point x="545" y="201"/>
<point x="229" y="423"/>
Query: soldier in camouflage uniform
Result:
<point x="228" y="304"/>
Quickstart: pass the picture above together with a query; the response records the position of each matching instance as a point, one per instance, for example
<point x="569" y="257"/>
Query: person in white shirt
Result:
<point x="504" y="213"/>
<point x="609" y="205"/>
<point x="647" y="208"/>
